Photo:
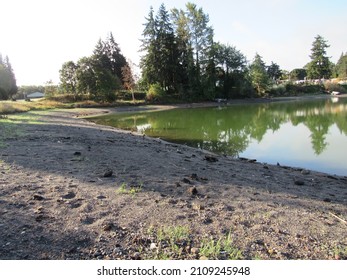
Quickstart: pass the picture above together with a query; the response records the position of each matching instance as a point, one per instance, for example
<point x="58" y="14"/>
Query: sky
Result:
<point x="40" y="35"/>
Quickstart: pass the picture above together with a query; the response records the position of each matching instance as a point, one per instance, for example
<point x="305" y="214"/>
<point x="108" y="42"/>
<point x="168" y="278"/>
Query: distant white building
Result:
<point x="35" y="95"/>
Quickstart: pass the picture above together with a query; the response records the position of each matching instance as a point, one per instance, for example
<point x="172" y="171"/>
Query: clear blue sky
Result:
<point x="40" y="35"/>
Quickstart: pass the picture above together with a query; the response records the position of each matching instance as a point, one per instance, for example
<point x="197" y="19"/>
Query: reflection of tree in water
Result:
<point x="319" y="127"/>
<point x="230" y="129"/>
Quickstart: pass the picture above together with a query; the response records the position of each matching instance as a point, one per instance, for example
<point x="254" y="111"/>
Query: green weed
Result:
<point x="132" y="190"/>
<point x="221" y="248"/>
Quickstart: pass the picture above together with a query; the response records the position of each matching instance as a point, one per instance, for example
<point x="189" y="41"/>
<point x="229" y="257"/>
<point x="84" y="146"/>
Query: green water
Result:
<point x="308" y="134"/>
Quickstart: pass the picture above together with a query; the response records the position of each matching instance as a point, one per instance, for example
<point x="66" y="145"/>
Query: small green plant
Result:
<point x="221" y="248"/>
<point x="171" y="240"/>
<point x="340" y="253"/>
<point x="133" y="189"/>
<point x="122" y="189"/>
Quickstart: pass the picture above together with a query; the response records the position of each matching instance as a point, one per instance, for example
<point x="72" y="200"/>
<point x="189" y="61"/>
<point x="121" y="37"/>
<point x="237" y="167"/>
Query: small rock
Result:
<point x="69" y="195"/>
<point x="187" y="181"/>
<point x="198" y="206"/>
<point x="108" y="227"/>
<point x="211" y="158"/>
<point x="38" y="197"/>
<point x="193" y="191"/>
<point x="299" y="182"/>
<point x="108" y="173"/>
<point x="327" y="200"/>
<point x="195" y="250"/>
<point x="136" y="256"/>
<point x="153" y="246"/>
<point x="77" y="154"/>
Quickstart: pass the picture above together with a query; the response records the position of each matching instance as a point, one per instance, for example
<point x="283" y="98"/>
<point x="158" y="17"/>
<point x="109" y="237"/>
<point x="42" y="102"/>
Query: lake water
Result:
<point x="310" y="134"/>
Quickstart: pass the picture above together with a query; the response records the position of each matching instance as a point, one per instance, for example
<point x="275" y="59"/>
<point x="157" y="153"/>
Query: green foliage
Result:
<point x="320" y="66"/>
<point x="341" y="67"/>
<point x="274" y="72"/>
<point x="298" y="74"/>
<point x="155" y="92"/>
<point x="128" y="95"/>
<point x="231" y="71"/>
<point x="223" y="248"/>
<point x="132" y="190"/>
<point x="8" y="86"/>
<point x="334" y="87"/>
<point x="99" y="75"/>
<point x="179" y="52"/>
<point x="258" y="75"/>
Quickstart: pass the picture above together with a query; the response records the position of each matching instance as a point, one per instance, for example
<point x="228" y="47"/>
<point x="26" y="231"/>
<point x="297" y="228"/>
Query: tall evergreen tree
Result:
<point x="258" y="75"/>
<point x="320" y="65"/>
<point x="168" y="55"/>
<point x="149" y="60"/>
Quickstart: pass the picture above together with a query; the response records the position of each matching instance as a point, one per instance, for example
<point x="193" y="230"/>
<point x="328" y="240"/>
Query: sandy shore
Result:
<point x="70" y="189"/>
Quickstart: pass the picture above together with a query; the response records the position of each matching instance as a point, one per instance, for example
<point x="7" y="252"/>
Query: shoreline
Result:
<point x="71" y="189"/>
<point x="151" y="108"/>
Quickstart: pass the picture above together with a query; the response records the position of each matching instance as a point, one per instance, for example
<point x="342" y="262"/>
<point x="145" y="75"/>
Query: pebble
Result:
<point x="38" y="197"/>
<point x="69" y="195"/>
<point x="195" y="250"/>
<point x="193" y="191"/>
<point x="108" y="173"/>
<point x="153" y="246"/>
<point x="210" y="158"/>
<point x="299" y="182"/>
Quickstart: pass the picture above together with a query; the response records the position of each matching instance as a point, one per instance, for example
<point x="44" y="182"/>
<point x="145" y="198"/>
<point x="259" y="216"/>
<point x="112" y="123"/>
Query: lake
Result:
<point x="309" y="134"/>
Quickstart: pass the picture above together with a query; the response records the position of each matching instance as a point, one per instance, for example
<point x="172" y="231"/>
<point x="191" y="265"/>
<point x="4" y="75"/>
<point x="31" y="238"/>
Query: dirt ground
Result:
<point x="70" y="189"/>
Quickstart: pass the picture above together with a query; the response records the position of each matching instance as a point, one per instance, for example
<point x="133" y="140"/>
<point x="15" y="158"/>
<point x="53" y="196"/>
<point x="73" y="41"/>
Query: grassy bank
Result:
<point x="10" y="107"/>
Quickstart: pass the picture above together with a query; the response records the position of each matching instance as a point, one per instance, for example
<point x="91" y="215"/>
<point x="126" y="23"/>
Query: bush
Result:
<point x="155" y="92"/>
<point x="277" y="90"/>
<point x="127" y="95"/>
<point x="334" y="87"/>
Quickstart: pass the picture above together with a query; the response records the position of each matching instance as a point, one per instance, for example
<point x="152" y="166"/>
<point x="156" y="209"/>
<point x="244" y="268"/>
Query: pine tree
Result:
<point x="149" y="46"/>
<point x="258" y="75"/>
<point x="320" y="65"/>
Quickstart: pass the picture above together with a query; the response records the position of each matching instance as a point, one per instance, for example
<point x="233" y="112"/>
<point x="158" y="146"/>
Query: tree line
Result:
<point x="180" y="59"/>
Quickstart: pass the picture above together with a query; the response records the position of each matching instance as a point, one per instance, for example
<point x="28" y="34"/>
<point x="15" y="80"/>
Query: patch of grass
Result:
<point x="220" y="249"/>
<point x="8" y="129"/>
<point x="132" y="190"/>
<point x="171" y="240"/>
<point x="340" y="252"/>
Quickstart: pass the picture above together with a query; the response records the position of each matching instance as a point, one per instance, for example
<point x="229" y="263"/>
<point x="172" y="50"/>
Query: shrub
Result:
<point x="127" y="95"/>
<point x="155" y="92"/>
<point x="334" y="87"/>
